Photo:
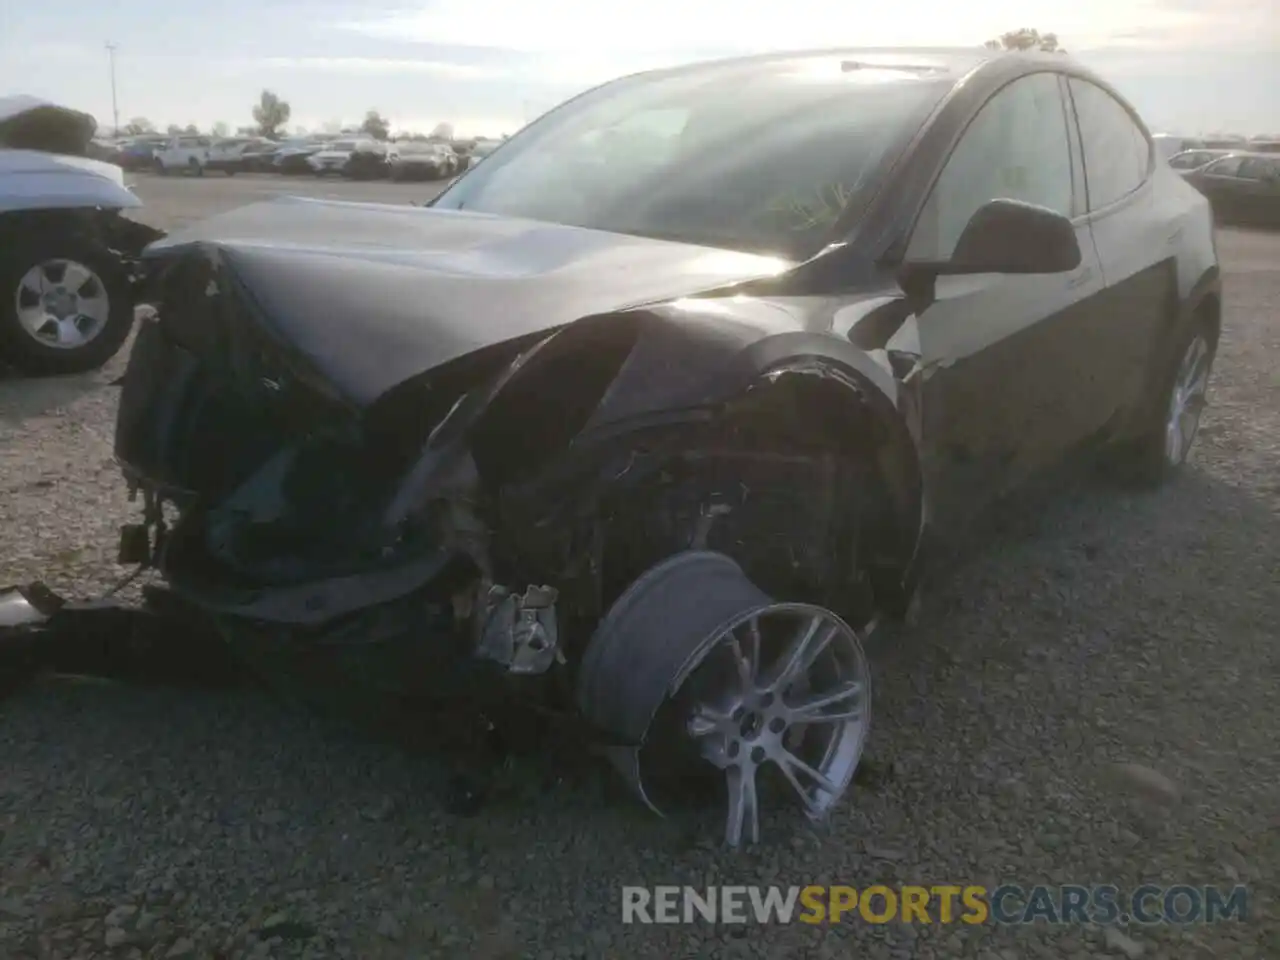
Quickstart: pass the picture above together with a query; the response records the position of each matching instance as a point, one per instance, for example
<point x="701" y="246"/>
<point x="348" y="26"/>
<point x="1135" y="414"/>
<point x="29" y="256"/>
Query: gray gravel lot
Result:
<point x="1105" y="629"/>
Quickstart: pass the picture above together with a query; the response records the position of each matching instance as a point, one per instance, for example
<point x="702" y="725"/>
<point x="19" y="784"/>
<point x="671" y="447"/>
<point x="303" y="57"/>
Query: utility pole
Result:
<point x="115" y="107"/>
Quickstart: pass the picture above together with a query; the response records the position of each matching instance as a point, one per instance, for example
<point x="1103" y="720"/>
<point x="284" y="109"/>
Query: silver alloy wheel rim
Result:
<point x="771" y="715"/>
<point x="1187" y="400"/>
<point x="62" y="304"/>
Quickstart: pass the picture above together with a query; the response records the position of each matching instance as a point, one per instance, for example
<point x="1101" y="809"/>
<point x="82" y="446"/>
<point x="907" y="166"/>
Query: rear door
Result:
<point x="1136" y="231"/>
<point x="1006" y="358"/>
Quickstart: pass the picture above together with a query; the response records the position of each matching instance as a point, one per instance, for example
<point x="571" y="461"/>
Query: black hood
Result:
<point x="372" y="294"/>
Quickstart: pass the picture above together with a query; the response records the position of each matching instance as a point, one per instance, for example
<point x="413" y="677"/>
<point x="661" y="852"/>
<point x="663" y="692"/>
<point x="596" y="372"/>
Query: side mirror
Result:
<point x="1003" y="236"/>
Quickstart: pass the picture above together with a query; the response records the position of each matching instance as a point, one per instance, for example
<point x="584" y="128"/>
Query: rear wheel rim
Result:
<point x="1187" y="400"/>
<point x="62" y="304"/>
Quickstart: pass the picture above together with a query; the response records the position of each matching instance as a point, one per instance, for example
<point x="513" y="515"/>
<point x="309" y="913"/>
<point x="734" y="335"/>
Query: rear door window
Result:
<point x="1117" y="154"/>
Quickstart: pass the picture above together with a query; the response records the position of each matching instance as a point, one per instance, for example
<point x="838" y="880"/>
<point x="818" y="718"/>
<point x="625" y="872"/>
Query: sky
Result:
<point x="489" y="66"/>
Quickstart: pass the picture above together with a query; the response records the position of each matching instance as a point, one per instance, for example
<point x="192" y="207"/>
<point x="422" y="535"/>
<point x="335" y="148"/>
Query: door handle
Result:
<point x="1080" y="279"/>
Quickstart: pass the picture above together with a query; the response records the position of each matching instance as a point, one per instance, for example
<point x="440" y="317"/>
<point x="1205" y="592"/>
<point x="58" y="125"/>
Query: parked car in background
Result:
<point x="100" y="148"/>
<point x="480" y="149"/>
<point x="188" y="153"/>
<point x="1264" y="146"/>
<point x="422" y="160"/>
<point x="257" y="157"/>
<point x="1170" y="145"/>
<point x="659" y="437"/>
<point x="1242" y="187"/>
<point x="1191" y="159"/>
<point x="139" y="153"/>
<point x="228" y="155"/>
<point x="293" y="157"/>
<point x="68" y="258"/>
<point x="364" y="158"/>
<point x="369" y="161"/>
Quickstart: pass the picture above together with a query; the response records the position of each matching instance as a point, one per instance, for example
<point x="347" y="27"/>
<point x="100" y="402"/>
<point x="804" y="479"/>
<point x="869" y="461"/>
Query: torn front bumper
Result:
<point x="158" y="640"/>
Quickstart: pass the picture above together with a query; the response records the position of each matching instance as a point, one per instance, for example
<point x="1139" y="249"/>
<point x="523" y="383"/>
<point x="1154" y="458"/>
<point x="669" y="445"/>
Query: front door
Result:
<point x="1003" y="372"/>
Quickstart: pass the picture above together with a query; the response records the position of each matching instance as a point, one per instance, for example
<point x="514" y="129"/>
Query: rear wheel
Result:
<point x="65" y="306"/>
<point x="1162" y="449"/>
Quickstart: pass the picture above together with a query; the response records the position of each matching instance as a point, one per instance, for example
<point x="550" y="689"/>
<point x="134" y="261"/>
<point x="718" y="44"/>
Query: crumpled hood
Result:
<point x="372" y="294"/>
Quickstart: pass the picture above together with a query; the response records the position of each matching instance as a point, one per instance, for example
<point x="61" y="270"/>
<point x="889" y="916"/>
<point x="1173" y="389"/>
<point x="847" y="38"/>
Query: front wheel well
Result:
<point x="789" y="480"/>
<point x="1209" y="312"/>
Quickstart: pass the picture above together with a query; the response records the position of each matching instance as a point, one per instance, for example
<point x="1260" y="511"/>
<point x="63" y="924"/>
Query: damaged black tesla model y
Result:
<point x="657" y="410"/>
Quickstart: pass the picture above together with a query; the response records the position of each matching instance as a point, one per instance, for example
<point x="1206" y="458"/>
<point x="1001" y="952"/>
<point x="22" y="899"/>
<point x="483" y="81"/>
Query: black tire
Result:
<point x="1147" y="461"/>
<point x="196" y="167"/>
<point x="157" y="165"/>
<point x="32" y="357"/>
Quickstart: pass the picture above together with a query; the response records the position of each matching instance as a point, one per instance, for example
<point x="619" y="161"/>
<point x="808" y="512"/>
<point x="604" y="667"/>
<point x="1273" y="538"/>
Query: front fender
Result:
<point x="710" y="353"/>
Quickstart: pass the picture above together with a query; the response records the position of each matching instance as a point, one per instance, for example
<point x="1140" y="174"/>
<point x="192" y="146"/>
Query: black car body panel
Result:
<point x="364" y="411"/>
<point x="367" y="303"/>
<point x="378" y="446"/>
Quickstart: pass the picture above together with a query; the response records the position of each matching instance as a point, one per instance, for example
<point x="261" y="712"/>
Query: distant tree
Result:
<point x="375" y="125"/>
<point x="1026" y="38"/>
<point x="173" y="130"/>
<point x="442" y="131"/>
<point x="331" y="126"/>
<point x="138" y="126"/>
<point x="190" y="128"/>
<point x="221" y="129"/>
<point x="299" y="131"/>
<point x="271" y="113"/>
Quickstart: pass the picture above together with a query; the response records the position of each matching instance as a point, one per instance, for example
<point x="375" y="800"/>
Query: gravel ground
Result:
<point x="1104" y="629"/>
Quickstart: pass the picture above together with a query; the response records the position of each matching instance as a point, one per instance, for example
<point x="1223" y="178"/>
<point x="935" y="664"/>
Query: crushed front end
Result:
<point x="480" y="533"/>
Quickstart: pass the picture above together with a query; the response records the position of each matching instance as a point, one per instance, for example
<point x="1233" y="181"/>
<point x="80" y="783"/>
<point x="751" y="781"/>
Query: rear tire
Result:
<point x="24" y="348"/>
<point x="1161" y="450"/>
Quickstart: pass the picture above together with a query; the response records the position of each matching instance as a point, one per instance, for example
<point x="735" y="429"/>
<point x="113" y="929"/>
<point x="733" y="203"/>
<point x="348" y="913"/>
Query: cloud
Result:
<point x="627" y="28"/>
<point x="379" y="65"/>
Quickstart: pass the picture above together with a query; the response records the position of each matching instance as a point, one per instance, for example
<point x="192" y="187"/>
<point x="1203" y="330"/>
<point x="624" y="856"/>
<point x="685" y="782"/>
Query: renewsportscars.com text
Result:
<point x="1008" y="904"/>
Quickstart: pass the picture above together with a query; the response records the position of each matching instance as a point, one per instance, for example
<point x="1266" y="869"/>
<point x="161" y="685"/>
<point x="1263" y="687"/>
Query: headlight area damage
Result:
<point x="660" y="524"/>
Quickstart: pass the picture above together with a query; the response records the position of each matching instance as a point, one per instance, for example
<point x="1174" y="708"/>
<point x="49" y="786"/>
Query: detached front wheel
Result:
<point x="699" y="678"/>
<point x="65" y="307"/>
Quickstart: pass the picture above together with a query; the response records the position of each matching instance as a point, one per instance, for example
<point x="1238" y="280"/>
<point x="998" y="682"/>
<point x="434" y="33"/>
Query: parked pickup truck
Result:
<point x="189" y="153"/>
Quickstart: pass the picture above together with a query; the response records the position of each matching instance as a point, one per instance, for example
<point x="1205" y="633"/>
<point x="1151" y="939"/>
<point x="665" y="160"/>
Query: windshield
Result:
<point x="751" y="156"/>
<point x="347" y="145"/>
